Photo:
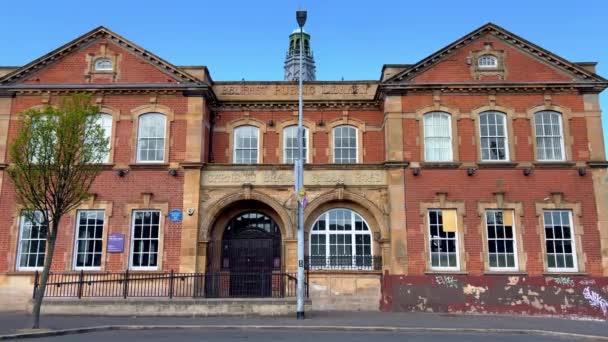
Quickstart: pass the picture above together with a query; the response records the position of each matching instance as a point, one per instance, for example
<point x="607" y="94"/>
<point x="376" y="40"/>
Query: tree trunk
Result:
<point x="48" y="259"/>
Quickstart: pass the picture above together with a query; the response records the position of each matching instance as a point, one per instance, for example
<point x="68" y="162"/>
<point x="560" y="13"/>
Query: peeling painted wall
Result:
<point x="553" y="295"/>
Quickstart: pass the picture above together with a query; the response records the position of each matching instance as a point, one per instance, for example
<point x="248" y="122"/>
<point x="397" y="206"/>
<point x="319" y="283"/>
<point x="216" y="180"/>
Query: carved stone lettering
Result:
<point x="285" y="177"/>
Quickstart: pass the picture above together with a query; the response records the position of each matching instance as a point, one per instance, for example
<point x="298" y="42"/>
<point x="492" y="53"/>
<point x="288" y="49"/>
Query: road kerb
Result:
<point x="83" y="330"/>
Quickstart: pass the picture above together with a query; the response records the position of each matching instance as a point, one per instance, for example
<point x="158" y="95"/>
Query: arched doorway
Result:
<point x="245" y="255"/>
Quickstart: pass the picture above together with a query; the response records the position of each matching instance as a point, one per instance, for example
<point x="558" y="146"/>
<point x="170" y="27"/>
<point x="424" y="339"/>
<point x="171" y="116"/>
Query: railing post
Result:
<point x="35" y="284"/>
<point x="126" y="284"/>
<point x="80" y="283"/>
<point x="171" y="285"/>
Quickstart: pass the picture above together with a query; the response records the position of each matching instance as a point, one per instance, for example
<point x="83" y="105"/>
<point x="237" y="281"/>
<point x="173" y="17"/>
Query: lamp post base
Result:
<point x="300" y="315"/>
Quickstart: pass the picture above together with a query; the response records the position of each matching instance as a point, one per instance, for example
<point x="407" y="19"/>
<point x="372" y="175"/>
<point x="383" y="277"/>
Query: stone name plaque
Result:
<point x="285" y="177"/>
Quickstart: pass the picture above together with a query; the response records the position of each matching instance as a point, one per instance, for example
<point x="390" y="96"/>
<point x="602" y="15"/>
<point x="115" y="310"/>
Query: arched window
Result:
<point x="290" y="144"/>
<point x="246" y="145"/>
<point x="437" y="137"/>
<point x="493" y="136"/>
<point x="104" y="121"/>
<point x="151" y="138"/>
<point x="345" y="144"/>
<point x="487" y="62"/>
<point x="549" y="136"/>
<point x="340" y="238"/>
<point x="104" y="64"/>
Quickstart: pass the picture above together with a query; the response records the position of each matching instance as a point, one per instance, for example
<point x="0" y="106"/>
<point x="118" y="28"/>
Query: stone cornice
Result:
<point x="572" y="87"/>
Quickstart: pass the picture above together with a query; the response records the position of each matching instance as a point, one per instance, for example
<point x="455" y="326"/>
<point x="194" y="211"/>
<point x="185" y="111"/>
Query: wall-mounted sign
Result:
<point x="116" y="243"/>
<point x="176" y="215"/>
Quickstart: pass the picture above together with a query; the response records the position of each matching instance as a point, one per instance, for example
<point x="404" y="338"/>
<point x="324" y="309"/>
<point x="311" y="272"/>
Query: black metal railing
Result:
<point x="343" y="262"/>
<point x="128" y="284"/>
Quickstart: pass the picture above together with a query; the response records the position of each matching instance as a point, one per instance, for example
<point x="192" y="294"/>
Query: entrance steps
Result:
<point x="172" y="307"/>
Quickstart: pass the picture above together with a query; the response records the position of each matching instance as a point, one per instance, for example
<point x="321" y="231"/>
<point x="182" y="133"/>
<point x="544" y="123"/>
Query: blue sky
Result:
<point x="350" y="39"/>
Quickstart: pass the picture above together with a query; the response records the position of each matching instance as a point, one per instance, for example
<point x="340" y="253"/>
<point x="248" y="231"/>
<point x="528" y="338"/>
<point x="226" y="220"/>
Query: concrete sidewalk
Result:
<point x="11" y="323"/>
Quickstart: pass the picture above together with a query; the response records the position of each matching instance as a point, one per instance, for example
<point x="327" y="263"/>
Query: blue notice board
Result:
<point x="176" y="215"/>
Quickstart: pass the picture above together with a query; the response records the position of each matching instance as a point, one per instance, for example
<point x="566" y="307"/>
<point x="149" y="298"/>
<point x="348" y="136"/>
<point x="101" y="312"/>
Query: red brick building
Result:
<point x="472" y="180"/>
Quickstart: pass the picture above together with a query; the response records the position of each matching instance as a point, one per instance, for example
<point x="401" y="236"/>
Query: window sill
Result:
<point x="149" y="166"/>
<point x="446" y="272"/>
<point x="565" y="273"/>
<point x="3" y="166"/>
<point x="592" y="164"/>
<point x="440" y="165"/>
<point x="496" y="165"/>
<point x="554" y="164"/>
<point x="505" y="273"/>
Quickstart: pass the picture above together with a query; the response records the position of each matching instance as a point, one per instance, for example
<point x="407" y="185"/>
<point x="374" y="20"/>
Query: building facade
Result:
<point x="473" y="180"/>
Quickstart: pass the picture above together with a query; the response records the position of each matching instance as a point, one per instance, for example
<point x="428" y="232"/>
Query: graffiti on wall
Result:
<point x="551" y="295"/>
<point x="595" y="300"/>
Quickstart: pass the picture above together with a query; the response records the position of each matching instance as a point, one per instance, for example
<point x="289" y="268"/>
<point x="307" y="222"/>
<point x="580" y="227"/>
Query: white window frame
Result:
<point x="560" y="120"/>
<point x="132" y="242"/>
<point x="334" y="148"/>
<point x="100" y="60"/>
<point x="235" y="146"/>
<point x="575" y="267"/>
<point x="18" y="266"/>
<point x="353" y="233"/>
<point x="77" y="239"/>
<point x="306" y="144"/>
<point x="140" y="138"/>
<point x="429" y="241"/>
<point x="487" y="57"/>
<point x="514" y="238"/>
<point x="505" y="135"/>
<point x="427" y="145"/>
<point x="106" y="121"/>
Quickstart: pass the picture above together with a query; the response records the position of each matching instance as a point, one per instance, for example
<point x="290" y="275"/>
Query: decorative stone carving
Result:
<point x="285" y="177"/>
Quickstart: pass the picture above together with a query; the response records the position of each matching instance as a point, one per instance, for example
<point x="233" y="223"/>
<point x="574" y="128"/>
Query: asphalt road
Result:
<point x="292" y="336"/>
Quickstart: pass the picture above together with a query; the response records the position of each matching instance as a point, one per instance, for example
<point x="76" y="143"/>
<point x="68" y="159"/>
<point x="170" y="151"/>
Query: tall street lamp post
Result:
<point x="299" y="176"/>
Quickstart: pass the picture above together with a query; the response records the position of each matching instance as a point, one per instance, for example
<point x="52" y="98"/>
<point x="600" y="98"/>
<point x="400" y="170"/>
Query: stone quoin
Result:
<point x="474" y="180"/>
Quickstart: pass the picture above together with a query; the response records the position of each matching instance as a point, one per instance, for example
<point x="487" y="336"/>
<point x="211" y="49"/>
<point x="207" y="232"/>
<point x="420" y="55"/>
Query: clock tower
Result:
<point x="292" y="60"/>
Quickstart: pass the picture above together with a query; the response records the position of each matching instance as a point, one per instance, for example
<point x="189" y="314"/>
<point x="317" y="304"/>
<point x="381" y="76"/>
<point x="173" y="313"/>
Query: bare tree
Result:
<point x="54" y="159"/>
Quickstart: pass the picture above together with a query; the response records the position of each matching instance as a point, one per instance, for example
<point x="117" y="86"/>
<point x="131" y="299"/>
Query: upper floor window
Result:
<point x="549" y="136"/>
<point x="487" y="62"/>
<point x="290" y="144"/>
<point x="340" y="238"/>
<point x="246" y="145"/>
<point x="151" y="138"/>
<point x="32" y="241"/>
<point x="104" y="64"/>
<point x="437" y="137"/>
<point x="104" y="121"/>
<point x="493" y="136"/>
<point x="345" y="144"/>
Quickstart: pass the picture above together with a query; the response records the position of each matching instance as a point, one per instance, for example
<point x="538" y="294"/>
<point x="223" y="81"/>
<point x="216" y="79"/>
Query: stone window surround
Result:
<point x="454" y="114"/>
<point x="91" y="204"/>
<point x="104" y="52"/>
<point x="312" y="129"/>
<point x="556" y="202"/>
<point x="346" y="121"/>
<point x="147" y="109"/>
<point x="478" y="72"/>
<point x="517" y="208"/>
<point x="441" y="202"/>
<point x="566" y="115"/>
<point x="247" y="121"/>
<point x="146" y="203"/>
<point x="509" y="117"/>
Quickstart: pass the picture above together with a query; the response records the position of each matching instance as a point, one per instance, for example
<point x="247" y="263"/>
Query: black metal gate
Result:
<point x="250" y="254"/>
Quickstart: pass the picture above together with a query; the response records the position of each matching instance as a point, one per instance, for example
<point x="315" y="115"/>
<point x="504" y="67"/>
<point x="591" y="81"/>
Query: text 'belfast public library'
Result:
<point x="472" y="180"/>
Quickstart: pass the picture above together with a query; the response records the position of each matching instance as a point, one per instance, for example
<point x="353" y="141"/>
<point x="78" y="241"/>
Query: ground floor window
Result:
<point x="502" y="253"/>
<point x="559" y="242"/>
<point x="443" y="239"/>
<point x="145" y="239"/>
<point x="340" y="238"/>
<point x="32" y="241"/>
<point x="89" y="239"/>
